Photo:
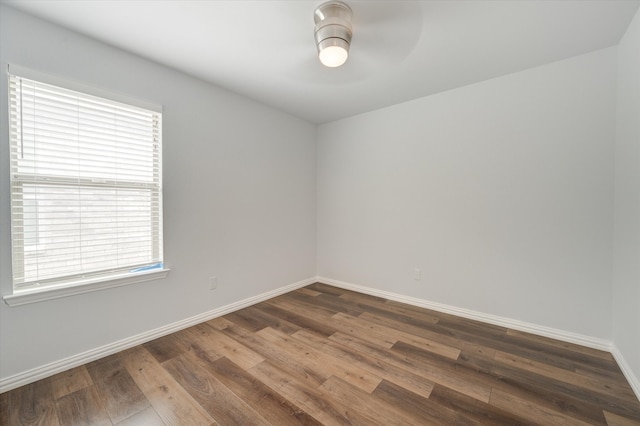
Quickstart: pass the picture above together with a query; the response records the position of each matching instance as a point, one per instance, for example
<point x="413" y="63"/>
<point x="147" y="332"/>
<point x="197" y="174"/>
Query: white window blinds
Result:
<point x="86" y="194"/>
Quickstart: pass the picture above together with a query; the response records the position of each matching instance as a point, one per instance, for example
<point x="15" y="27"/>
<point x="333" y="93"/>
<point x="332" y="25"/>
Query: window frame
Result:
<point x="87" y="283"/>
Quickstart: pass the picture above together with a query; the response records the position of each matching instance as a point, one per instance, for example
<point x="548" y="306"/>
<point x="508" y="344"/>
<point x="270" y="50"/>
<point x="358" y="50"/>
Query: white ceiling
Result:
<point x="401" y="50"/>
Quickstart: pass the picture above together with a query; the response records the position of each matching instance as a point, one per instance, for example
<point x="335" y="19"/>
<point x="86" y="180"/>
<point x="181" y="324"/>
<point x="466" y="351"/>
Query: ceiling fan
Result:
<point x="372" y="35"/>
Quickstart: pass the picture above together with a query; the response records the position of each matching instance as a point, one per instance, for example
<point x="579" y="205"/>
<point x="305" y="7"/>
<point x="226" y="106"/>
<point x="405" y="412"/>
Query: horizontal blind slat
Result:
<point x="85" y="184"/>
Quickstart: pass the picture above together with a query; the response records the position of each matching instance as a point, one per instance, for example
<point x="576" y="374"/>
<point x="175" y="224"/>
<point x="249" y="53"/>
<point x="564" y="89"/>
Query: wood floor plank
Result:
<point x="266" y="401"/>
<point x="418" y="310"/>
<point x="601" y="385"/>
<point x="327" y="289"/>
<point x="425" y="411"/>
<point x="382" y="369"/>
<point x="4" y="407"/>
<point x="421" y="331"/>
<point x="212" y="395"/>
<point x="447" y="377"/>
<point x="498" y="339"/>
<point x="387" y="327"/>
<point x="329" y="302"/>
<point x="556" y="354"/>
<point x="121" y="396"/>
<point x="318" y="404"/>
<point x="225" y="346"/>
<point x="70" y="381"/>
<point x="300" y="307"/>
<point x="616" y="420"/>
<point x="530" y="411"/>
<point x="278" y="356"/>
<point x="170" y="400"/>
<point x="166" y="347"/>
<point x="146" y="417"/>
<point x="255" y="320"/>
<point x="300" y="320"/>
<point x="374" y="410"/>
<point x="536" y="389"/>
<point x="308" y="291"/>
<point x="320" y="361"/>
<point x="472" y="408"/>
<point x="445" y="371"/>
<point x="33" y="404"/>
<point x="505" y="343"/>
<point x="394" y="335"/>
<point x="220" y="323"/>
<point x="83" y="407"/>
<point x="327" y="355"/>
<point x="474" y="327"/>
<point x="564" y="346"/>
<point x="350" y="325"/>
<point x="383" y="309"/>
<point x="566" y="395"/>
<point x="596" y="371"/>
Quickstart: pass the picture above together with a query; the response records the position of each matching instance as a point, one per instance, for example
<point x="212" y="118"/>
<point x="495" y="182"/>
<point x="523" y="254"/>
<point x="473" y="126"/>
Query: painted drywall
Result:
<point x="626" y="272"/>
<point x="239" y="200"/>
<point x="501" y="193"/>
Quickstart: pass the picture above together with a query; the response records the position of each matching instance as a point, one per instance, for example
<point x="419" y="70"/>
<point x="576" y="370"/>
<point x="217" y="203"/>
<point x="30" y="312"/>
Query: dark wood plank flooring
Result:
<point x="323" y="355"/>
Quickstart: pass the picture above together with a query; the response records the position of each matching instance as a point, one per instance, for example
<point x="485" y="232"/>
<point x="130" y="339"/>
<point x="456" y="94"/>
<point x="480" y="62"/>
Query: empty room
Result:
<point x="292" y="212"/>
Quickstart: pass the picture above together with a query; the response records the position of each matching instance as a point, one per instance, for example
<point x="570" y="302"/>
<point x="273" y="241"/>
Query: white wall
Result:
<point x="500" y="192"/>
<point x="239" y="197"/>
<point x="626" y="276"/>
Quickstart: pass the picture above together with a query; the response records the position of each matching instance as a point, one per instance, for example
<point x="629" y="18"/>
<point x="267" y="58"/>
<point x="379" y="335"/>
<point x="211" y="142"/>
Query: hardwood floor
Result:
<point x="323" y="355"/>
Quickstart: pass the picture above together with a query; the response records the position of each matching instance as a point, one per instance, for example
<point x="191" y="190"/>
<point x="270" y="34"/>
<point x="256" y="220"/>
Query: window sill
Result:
<point x="85" y="286"/>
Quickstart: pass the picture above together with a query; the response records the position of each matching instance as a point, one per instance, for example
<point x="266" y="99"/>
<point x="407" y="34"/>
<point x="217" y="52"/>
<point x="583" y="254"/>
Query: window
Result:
<point x="86" y="187"/>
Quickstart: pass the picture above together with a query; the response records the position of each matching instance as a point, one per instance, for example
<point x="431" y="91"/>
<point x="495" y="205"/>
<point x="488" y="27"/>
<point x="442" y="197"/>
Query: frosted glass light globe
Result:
<point x="333" y="56"/>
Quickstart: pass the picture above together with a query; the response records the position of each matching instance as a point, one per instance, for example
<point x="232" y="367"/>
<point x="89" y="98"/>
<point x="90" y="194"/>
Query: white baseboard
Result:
<point x="47" y="370"/>
<point x="565" y="336"/>
<point x="38" y="373"/>
<point x="634" y="381"/>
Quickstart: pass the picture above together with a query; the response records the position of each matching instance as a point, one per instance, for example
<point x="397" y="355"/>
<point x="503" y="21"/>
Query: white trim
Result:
<point x="634" y="381"/>
<point x="82" y="286"/>
<point x="76" y="86"/>
<point x="565" y="336"/>
<point x="44" y="371"/>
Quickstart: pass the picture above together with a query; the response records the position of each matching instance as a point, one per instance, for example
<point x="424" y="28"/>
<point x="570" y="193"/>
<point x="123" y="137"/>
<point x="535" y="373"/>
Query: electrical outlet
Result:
<point x="417" y="274"/>
<point x="213" y="283"/>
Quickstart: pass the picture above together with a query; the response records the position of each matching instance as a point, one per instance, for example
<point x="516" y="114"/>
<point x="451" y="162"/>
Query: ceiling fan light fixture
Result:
<point x="333" y="32"/>
<point x="333" y="52"/>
